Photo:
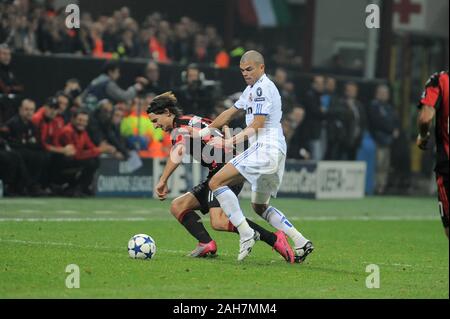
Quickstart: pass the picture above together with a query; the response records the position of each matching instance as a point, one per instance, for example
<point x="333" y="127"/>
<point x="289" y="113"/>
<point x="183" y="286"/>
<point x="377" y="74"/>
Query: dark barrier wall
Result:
<point x="42" y="76"/>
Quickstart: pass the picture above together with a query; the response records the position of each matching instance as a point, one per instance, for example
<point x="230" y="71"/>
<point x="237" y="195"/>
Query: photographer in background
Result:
<point x="197" y="95"/>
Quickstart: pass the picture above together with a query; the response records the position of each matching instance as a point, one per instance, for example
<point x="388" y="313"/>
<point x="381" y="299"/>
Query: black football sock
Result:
<point x="191" y="221"/>
<point x="266" y="236"/>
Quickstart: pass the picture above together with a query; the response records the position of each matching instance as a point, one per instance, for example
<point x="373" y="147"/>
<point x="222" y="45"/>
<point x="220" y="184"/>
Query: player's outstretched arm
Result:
<point x="424" y="122"/>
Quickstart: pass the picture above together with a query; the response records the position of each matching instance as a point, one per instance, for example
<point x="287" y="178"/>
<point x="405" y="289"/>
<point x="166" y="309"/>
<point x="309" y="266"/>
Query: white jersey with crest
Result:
<point x="263" y="98"/>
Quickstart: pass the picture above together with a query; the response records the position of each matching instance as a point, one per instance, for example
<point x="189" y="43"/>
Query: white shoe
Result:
<point x="245" y="246"/>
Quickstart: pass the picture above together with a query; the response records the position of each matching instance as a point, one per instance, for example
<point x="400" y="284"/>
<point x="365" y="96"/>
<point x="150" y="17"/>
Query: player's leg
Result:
<point x="443" y="191"/>
<point x="221" y="184"/>
<point x="260" y="204"/>
<point x="229" y="202"/>
<point x="267" y="185"/>
<point x="183" y="209"/>
<point x="220" y="222"/>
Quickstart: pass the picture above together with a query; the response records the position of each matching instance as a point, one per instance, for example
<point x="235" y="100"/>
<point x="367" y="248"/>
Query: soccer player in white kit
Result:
<point x="262" y="164"/>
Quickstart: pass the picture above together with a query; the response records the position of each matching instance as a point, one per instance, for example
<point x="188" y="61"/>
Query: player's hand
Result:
<point x="162" y="190"/>
<point x="217" y="141"/>
<point x="422" y="142"/>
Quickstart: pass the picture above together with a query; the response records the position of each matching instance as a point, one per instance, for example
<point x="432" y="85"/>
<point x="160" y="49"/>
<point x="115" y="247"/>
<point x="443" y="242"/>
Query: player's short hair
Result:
<point x="254" y="56"/>
<point x="165" y="101"/>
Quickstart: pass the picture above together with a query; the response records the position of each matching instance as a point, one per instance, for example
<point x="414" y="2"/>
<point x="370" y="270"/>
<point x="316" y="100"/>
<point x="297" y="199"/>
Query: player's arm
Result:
<point x="424" y="122"/>
<point x="428" y="101"/>
<point x="173" y="161"/>
<point x="249" y="131"/>
<point x="223" y="119"/>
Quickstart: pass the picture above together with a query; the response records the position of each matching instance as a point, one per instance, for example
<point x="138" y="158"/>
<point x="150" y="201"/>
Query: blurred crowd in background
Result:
<point x="54" y="148"/>
<point x="35" y="28"/>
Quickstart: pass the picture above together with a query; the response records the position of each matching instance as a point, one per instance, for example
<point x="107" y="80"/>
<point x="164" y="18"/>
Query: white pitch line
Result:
<point x="29" y="211"/>
<point x="104" y="212"/>
<point x="67" y="212"/>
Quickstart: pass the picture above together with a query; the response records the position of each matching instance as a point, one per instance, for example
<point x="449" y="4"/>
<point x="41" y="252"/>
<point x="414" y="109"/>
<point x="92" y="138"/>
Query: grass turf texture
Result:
<point x="39" y="238"/>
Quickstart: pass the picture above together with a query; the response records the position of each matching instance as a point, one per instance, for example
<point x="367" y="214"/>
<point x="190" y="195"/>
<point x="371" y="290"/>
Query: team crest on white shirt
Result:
<point x="259" y="91"/>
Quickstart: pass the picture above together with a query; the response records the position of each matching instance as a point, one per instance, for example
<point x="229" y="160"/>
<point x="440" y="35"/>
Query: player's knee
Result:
<point x="260" y="208"/>
<point x="176" y="208"/>
<point x="214" y="183"/>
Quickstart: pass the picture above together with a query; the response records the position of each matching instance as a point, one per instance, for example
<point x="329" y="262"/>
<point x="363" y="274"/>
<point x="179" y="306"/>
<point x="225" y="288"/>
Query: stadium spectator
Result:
<point x="193" y="94"/>
<point x="79" y="169"/>
<point x="101" y="131"/>
<point x="346" y="125"/>
<point x="152" y="76"/>
<point x="10" y="88"/>
<point x="23" y="138"/>
<point x="105" y="86"/>
<point x="291" y="124"/>
<point x="49" y="124"/>
<point x="384" y="127"/>
<point x="286" y="88"/>
<point x="13" y="172"/>
<point x="315" y="114"/>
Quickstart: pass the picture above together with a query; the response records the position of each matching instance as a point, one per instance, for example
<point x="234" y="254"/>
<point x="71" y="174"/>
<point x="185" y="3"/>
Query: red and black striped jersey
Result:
<point x="213" y="158"/>
<point x="436" y="96"/>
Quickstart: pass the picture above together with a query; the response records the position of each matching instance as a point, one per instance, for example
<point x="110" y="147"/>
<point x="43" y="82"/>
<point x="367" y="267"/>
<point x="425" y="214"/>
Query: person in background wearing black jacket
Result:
<point x="101" y="129"/>
<point x="346" y="125"/>
<point x="10" y="88"/>
<point x="384" y="127"/>
<point x="13" y="172"/>
<point x="315" y="114"/>
<point x="23" y="138"/>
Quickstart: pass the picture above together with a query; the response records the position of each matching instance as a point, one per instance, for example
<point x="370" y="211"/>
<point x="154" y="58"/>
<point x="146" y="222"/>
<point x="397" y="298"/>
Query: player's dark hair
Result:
<point x="165" y="101"/>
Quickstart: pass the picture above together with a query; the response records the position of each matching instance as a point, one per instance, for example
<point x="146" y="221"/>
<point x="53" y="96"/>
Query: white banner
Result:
<point x="341" y="180"/>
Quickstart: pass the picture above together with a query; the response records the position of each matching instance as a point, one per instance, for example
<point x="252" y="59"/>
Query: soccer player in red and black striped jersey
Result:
<point x="434" y="103"/>
<point x="165" y="113"/>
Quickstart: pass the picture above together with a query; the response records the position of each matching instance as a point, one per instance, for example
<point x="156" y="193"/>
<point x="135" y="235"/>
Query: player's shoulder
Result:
<point x="435" y="78"/>
<point x="265" y="86"/>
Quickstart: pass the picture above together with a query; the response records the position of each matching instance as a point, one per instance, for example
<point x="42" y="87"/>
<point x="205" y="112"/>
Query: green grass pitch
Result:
<point x="40" y="237"/>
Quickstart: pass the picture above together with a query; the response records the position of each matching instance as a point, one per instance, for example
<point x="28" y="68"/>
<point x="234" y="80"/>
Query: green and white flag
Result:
<point x="265" y="13"/>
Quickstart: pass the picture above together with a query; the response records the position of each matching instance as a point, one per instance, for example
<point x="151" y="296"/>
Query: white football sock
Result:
<point x="230" y="205"/>
<point x="280" y="222"/>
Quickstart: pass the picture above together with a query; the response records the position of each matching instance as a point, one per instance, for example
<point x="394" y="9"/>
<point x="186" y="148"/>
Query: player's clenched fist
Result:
<point x="161" y="190"/>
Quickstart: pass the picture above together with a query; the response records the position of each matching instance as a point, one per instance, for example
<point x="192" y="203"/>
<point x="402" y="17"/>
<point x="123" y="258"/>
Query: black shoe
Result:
<point x="302" y="252"/>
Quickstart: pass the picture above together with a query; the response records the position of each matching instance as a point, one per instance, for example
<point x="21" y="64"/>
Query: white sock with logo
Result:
<point x="278" y="220"/>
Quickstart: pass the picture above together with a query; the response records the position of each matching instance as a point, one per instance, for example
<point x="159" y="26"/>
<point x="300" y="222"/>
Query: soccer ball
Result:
<point x="141" y="246"/>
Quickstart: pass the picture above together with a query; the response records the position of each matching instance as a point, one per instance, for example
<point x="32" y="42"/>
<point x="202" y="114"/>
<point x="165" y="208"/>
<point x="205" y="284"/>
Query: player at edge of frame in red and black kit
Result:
<point x="434" y="103"/>
<point x="165" y="113"/>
